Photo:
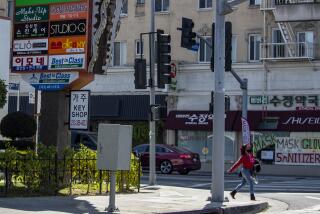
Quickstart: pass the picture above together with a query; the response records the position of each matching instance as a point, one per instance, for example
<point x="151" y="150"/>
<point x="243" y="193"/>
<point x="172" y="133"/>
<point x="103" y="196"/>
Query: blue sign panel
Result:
<point x="14" y="86"/>
<point x="49" y="87"/>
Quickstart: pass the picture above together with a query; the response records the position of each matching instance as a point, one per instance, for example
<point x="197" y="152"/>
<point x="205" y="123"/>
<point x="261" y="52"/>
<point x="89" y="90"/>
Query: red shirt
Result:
<point x="247" y="162"/>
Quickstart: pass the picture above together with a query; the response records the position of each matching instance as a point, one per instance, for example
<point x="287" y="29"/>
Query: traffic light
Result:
<point x="163" y="59"/>
<point x="188" y="37"/>
<point x="228" y="46"/>
<point x="140" y="74"/>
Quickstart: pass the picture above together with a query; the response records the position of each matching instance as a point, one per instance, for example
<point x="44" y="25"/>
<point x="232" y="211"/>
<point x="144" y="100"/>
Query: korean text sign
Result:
<point x="79" y="110"/>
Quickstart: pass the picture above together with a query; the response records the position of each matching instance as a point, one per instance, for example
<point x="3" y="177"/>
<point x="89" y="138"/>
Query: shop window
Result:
<point x="120" y="54"/>
<point x="269" y="123"/>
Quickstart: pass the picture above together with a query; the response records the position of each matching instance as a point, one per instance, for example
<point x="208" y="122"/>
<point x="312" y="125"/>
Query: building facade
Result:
<point x="275" y="45"/>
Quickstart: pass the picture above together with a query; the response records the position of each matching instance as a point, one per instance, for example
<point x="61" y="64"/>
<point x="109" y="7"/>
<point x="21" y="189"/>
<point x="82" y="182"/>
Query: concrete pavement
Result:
<point x="155" y="199"/>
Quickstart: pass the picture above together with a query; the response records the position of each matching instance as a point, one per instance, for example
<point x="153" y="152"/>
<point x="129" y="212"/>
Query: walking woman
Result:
<point x="247" y="161"/>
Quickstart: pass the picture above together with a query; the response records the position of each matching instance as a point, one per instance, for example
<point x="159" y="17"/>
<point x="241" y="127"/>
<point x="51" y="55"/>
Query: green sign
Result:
<point x="32" y="13"/>
<point x="36" y="2"/>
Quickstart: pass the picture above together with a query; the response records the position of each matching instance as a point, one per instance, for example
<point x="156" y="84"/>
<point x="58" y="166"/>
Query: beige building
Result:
<point x="275" y="46"/>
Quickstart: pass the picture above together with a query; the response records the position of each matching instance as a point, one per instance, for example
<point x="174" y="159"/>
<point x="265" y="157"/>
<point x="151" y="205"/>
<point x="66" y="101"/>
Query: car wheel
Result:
<point x="166" y="167"/>
<point x="183" y="172"/>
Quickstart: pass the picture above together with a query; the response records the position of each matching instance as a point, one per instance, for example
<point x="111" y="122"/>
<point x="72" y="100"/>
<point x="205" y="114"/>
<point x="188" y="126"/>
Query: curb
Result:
<point x="244" y="209"/>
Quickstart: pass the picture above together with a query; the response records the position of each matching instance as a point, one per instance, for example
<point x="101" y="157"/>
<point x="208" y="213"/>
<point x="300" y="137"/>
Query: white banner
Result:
<point x="30" y="46"/>
<point x="79" y="110"/>
<point x="245" y="131"/>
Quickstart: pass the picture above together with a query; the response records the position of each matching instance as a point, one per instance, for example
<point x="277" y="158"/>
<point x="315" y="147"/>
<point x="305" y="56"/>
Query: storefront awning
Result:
<point x="292" y="121"/>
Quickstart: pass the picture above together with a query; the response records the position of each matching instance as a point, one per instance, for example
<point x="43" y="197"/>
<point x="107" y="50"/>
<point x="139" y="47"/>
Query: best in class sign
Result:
<point x="79" y="110"/>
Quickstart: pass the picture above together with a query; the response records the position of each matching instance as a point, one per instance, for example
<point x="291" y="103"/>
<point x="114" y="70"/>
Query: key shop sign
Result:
<point x="287" y="102"/>
<point x="79" y="110"/>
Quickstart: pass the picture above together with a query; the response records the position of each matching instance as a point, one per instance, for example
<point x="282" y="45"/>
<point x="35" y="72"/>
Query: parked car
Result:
<point x="169" y="158"/>
<point x="88" y="139"/>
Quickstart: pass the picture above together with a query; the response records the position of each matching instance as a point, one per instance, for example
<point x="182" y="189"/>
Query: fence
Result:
<point x="27" y="176"/>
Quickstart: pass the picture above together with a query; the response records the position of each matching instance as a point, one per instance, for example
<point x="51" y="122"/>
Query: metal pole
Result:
<point x="18" y="97"/>
<point x="112" y="196"/>
<point x="244" y="88"/>
<point x="217" y="188"/>
<point x="152" y="124"/>
<point x="36" y="117"/>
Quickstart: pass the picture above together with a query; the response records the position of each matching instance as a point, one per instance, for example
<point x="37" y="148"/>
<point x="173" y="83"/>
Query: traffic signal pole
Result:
<point x="152" y="124"/>
<point x="218" y="141"/>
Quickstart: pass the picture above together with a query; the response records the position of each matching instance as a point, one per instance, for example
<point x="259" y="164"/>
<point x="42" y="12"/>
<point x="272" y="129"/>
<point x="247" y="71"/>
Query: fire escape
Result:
<point x="285" y="43"/>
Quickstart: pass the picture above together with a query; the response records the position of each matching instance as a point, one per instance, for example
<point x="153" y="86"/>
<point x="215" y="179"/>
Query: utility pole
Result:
<point x="217" y="182"/>
<point x="152" y="124"/>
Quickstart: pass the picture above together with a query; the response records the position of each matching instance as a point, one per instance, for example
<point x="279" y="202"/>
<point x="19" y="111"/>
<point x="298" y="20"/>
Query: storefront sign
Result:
<point x="297" y="151"/>
<point x="79" y="110"/>
<point x="35" y="2"/>
<point x="245" y="131"/>
<point x="31" y="30"/>
<point x="189" y="120"/>
<point x="68" y="28"/>
<point x="32" y="13"/>
<point x="30" y="63"/>
<point x="50" y="81"/>
<point x="60" y="62"/>
<point x="286" y="101"/>
<point x="69" y="11"/>
<point x="30" y="47"/>
<point x="67" y="45"/>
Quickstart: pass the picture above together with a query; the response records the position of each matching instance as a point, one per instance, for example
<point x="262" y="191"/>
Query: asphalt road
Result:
<point x="302" y="194"/>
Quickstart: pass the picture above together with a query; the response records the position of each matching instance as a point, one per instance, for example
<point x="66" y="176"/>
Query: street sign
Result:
<point x="79" y="110"/>
<point x="195" y="47"/>
<point x="14" y="86"/>
<point x="32" y="98"/>
<point x="50" y="81"/>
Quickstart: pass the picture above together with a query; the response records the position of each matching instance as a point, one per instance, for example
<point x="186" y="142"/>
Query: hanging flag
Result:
<point x="245" y="131"/>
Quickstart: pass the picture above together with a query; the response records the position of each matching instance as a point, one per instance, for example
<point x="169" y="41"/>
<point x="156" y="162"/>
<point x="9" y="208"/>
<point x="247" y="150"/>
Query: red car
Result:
<point x="169" y="158"/>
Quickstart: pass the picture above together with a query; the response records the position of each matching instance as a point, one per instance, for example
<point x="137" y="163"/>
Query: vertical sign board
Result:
<point x="79" y="110"/>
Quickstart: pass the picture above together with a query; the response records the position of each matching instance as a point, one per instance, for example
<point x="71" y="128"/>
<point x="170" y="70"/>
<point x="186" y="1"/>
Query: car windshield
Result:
<point x="94" y="137"/>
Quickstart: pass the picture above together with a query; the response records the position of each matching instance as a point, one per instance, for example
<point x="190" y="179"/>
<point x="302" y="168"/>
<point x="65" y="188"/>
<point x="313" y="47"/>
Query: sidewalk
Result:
<point x="156" y="199"/>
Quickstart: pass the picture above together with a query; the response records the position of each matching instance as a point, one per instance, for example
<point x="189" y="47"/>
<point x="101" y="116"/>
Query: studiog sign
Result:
<point x="68" y="28"/>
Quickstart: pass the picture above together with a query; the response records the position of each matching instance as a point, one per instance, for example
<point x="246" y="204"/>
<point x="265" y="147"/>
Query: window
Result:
<point x="120" y="54"/>
<point x="203" y="4"/>
<point x="139" y="49"/>
<point x="124" y="11"/>
<point x="234" y="48"/>
<point x="161" y="5"/>
<point x="140" y="1"/>
<point x="305" y="44"/>
<point x="140" y="149"/>
<point x="278" y="50"/>
<point x="205" y="52"/>
<point x="254" y="47"/>
<point x="255" y="2"/>
<point x="10" y="8"/>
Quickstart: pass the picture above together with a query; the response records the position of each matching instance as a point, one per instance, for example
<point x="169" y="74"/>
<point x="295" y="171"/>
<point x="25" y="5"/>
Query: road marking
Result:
<point x="311" y="197"/>
<point x="200" y="185"/>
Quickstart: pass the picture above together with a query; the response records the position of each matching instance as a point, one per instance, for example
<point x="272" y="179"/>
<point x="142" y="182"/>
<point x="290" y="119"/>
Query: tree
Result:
<point x="18" y="125"/>
<point x="3" y="93"/>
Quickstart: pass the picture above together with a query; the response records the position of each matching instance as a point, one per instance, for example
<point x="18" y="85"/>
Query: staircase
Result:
<point x="288" y="37"/>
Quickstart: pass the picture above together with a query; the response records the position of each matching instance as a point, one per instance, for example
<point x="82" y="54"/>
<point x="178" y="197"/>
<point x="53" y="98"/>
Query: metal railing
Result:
<point x="37" y="176"/>
<point x="271" y="4"/>
<point x="282" y="51"/>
